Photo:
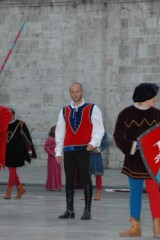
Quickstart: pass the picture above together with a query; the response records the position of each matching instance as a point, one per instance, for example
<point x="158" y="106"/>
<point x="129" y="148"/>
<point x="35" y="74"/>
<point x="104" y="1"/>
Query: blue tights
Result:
<point x="136" y="188"/>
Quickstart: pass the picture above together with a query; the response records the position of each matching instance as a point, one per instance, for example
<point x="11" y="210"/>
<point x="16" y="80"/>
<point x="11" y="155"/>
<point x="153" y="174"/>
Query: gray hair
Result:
<point x="75" y="83"/>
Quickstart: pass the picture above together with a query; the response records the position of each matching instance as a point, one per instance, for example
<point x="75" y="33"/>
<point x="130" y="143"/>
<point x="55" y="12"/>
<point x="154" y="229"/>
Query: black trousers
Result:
<point x="74" y="159"/>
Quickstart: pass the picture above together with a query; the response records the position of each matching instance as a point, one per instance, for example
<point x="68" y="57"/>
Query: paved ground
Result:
<point x="34" y="174"/>
<point x="35" y="216"/>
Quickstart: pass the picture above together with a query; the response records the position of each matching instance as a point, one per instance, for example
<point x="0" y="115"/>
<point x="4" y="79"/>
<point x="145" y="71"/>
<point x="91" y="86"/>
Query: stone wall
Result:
<point x="109" y="46"/>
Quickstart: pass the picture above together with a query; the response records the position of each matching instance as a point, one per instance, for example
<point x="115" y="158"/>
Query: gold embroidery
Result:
<point x="140" y="124"/>
<point x="11" y="134"/>
<point x="139" y="175"/>
<point x="26" y="138"/>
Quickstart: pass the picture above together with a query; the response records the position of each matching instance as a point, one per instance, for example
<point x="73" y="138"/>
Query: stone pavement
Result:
<point x="35" y="216"/>
<point x="35" y="174"/>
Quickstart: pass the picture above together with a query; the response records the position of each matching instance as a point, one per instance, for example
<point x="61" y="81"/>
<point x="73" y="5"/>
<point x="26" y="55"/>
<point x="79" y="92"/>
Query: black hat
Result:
<point x="145" y="91"/>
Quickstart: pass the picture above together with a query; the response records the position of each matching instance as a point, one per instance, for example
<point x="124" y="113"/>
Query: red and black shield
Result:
<point x="149" y="144"/>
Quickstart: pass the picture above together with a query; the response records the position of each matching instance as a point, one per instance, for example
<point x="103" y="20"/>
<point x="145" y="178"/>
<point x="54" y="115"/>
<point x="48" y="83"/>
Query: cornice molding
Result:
<point x="52" y="3"/>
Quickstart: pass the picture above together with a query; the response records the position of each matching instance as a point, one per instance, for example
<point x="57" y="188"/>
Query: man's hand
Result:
<point x="30" y="153"/>
<point x="90" y="147"/>
<point x="59" y="159"/>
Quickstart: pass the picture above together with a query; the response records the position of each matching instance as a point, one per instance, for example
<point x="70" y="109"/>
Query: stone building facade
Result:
<point x="109" y="46"/>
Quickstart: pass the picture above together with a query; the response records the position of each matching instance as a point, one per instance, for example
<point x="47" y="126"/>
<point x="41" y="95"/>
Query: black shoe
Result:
<point x="67" y="214"/>
<point x="86" y="215"/>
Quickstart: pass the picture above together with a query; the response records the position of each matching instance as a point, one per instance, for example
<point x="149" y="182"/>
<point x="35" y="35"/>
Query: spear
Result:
<point x="12" y="46"/>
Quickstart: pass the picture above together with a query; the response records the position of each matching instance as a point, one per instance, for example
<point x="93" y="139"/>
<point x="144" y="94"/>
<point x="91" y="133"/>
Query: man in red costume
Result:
<point x="79" y="131"/>
<point x="5" y="117"/>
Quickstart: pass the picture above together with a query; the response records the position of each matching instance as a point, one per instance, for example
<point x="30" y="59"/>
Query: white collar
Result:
<point x="75" y="106"/>
<point x="140" y="107"/>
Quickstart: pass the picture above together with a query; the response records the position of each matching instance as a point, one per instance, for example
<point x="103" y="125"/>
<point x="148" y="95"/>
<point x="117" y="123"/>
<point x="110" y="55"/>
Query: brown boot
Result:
<point x="98" y="195"/>
<point x="20" y="192"/>
<point x="8" y="194"/>
<point x="156" y="227"/>
<point x="133" y="231"/>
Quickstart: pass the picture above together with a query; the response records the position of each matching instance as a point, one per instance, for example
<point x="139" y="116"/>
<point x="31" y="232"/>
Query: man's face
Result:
<point x="76" y="93"/>
<point x="152" y="102"/>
